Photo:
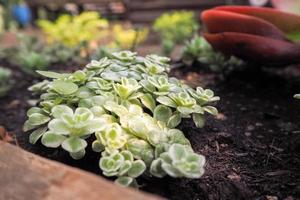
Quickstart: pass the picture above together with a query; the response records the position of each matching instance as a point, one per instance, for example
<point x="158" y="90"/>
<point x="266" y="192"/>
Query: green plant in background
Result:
<point x="175" y="28"/>
<point x="103" y="51"/>
<point x="72" y="30"/>
<point x="128" y="38"/>
<point x="122" y="38"/>
<point x="29" y="55"/>
<point x="5" y="81"/>
<point x="132" y="108"/>
<point x="60" y="53"/>
<point x="31" y="61"/>
<point x="29" y="43"/>
<point x="199" y="50"/>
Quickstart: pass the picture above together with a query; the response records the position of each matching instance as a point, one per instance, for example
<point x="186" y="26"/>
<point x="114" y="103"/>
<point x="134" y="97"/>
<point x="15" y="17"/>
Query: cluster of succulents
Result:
<point x="60" y="53"/>
<point x="32" y="54"/>
<point x="128" y="38"/>
<point x="88" y="26"/>
<point x="131" y="108"/>
<point x="31" y="61"/>
<point x="199" y="50"/>
<point x="29" y="55"/>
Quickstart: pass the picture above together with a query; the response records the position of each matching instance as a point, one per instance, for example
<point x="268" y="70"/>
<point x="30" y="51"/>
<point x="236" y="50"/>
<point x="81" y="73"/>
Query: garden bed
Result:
<point x="252" y="148"/>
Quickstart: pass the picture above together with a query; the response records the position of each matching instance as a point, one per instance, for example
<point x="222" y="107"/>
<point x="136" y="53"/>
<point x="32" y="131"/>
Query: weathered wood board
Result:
<point x="25" y="176"/>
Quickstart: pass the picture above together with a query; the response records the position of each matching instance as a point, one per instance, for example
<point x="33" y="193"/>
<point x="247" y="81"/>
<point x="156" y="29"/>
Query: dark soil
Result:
<point x="252" y="147"/>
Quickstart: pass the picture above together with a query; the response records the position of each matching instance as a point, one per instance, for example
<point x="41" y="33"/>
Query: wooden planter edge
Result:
<point x="24" y="175"/>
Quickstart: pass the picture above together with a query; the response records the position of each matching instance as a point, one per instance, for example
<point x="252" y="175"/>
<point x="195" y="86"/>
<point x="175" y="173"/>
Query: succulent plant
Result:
<point x="60" y="53"/>
<point x="68" y="128"/>
<point x="32" y="54"/>
<point x="113" y="137"/>
<point x="128" y="38"/>
<point x="174" y="28"/>
<point x="5" y="81"/>
<point x="203" y="96"/>
<point x="28" y="55"/>
<point x="123" y="165"/>
<point x="178" y="161"/>
<point x="132" y="108"/>
<point x="199" y="50"/>
<point x="31" y="61"/>
<point x="86" y="27"/>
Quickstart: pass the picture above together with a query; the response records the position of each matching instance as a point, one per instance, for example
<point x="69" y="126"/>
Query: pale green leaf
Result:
<point x="199" y="120"/>
<point x="79" y="75"/>
<point x="59" y="110"/>
<point x="210" y="109"/>
<point x="148" y="101"/>
<point x="127" y="155"/>
<point x="185" y="110"/>
<point x="74" y="144"/>
<point x="162" y="113"/>
<point x="174" y="121"/>
<point x="177" y="152"/>
<point x="37" y="134"/>
<point x="166" y="101"/>
<point x="137" y="168"/>
<point x="78" y="155"/>
<point x="156" y="169"/>
<point x="50" y="74"/>
<point x="84" y="92"/>
<point x="34" y="110"/>
<point x="64" y="87"/>
<point x="98" y="111"/>
<point x="52" y="140"/>
<point x="36" y="119"/>
<point x="125" y="167"/>
<point x="27" y="126"/>
<point x="59" y="127"/>
<point x="170" y="170"/>
<point x="97" y="146"/>
<point x="124" y="181"/>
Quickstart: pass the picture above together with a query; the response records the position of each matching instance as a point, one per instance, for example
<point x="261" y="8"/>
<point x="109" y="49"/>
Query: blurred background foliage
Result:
<point x="37" y="34"/>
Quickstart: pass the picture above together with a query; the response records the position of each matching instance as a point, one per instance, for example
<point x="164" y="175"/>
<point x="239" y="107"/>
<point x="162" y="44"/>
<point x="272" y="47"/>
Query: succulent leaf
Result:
<point x="52" y="140"/>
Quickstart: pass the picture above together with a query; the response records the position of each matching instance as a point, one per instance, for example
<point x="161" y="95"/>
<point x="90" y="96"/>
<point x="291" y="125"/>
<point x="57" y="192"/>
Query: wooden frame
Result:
<point x="24" y="175"/>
